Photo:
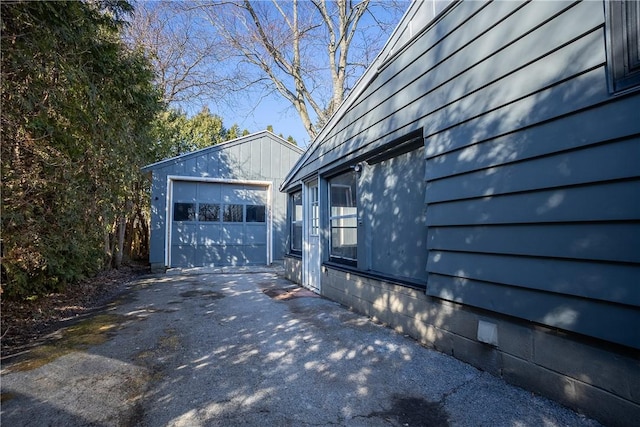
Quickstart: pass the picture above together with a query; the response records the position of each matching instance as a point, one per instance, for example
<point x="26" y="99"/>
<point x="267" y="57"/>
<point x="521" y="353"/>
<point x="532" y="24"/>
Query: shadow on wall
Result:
<point x="520" y="222"/>
<point x="218" y="239"/>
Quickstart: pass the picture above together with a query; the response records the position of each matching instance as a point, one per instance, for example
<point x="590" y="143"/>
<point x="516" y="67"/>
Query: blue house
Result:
<point x="479" y="190"/>
<point x="219" y="206"/>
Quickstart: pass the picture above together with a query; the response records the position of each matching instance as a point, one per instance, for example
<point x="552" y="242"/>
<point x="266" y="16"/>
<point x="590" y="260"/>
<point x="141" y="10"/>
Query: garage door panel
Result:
<point x="254" y="234"/>
<point x="184" y="191"/>
<point x="210" y="192"/>
<point x="209" y="234"/>
<point x="233" y="193"/>
<point x="184" y="233"/>
<point x="232" y="234"/>
<point x="256" y="196"/>
<point x="208" y="256"/>
<point x="182" y="256"/>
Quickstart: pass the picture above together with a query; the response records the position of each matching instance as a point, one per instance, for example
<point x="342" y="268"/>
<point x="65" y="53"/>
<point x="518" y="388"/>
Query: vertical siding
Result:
<point x="257" y="157"/>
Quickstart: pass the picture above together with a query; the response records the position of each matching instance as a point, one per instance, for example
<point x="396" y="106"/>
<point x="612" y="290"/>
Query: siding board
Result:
<point x="617" y="283"/>
<point x="485" y="86"/>
<point x="602" y="202"/>
<point x="601" y="320"/>
<point x="617" y="160"/>
<point x="617" y="242"/>
<point x="579" y="129"/>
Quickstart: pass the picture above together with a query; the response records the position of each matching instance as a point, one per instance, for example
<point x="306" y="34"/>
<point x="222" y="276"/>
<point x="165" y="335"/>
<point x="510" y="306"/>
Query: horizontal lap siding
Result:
<point x="479" y="58"/>
<point x="532" y="177"/>
<point x="533" y="184"/>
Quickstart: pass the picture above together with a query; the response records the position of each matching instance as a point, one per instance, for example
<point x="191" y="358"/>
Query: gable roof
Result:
<point x="400" y="39"/>
<point x="222" y="146"/>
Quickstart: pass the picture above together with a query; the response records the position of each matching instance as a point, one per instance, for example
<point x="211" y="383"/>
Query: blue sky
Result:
<point x="272" y="110"/>
<point x="254" y="111"/>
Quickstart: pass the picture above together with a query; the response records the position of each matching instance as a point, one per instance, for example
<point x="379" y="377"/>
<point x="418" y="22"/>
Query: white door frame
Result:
<point x="311" y="257"/>
<point x="169" y="208"/>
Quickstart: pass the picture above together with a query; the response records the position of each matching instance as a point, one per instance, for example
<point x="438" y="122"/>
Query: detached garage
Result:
<point x="219" y="206"/>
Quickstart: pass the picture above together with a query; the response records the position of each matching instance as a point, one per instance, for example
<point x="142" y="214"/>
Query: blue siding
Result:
<point x="247" y="158"/>
<point x="531" y="170"/>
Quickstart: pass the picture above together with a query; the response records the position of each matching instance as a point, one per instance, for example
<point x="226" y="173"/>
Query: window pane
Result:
<point x="232" y="213"/>
<point x="343" y="190"/>
<point x="184" y="211"/>
<point x="296" y="240"/>
<point x="344" y="216"/>
<point x="208" y="212"/>
<point x="256" y="213"/>
<point x="296" y="214"/>
<point x="344" y="242"/>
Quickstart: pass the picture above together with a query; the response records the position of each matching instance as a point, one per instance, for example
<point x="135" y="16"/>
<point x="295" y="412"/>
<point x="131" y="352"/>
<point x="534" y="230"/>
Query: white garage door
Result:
<point x="216" y="224"/>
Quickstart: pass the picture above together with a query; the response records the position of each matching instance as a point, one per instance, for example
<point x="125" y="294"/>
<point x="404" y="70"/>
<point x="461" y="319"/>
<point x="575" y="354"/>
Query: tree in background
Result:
<point x="77" y="108"/>
<point x="308" y="52"/>
<point x="176" y="133"/>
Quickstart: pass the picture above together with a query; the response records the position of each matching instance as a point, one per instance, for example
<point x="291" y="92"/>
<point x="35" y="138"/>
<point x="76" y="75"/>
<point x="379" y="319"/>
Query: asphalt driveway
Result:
<point x="252" y="349"/>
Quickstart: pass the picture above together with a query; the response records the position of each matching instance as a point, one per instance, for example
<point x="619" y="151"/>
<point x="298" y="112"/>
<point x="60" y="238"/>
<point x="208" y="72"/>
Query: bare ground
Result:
<point x="25" y="322"/>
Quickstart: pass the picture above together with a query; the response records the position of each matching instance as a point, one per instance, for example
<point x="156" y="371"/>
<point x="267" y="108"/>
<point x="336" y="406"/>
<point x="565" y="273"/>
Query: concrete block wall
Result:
<point x="293" y="269"/>
<point x="600" y="382"/>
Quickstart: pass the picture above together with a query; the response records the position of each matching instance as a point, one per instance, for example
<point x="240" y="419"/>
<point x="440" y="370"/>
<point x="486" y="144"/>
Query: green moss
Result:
<point x="90" y="332"/>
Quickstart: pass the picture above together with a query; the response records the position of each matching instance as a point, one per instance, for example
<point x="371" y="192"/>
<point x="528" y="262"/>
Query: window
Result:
<point x="208" y="212"/>
<point x="315" y="211"/>
<point x="256" y="213"/>
<point x="623" y="19"/>
<point x="296" y="221"/>
<point x="343" y="218"/>
<point x="232" y="213"/>
<point x="184" y="211"/>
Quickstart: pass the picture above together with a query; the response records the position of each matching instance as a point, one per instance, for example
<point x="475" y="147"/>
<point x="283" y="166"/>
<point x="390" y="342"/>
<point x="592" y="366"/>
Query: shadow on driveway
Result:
<point x="217" y="348"/>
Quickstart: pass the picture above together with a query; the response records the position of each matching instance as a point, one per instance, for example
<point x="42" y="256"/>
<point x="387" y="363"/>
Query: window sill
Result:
<point x="293" y="255"/>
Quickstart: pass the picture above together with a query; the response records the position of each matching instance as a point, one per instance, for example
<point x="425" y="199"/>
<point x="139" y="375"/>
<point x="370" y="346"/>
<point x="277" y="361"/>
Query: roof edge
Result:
<point x="222" y="146"/>
<point x="361" y="84"/>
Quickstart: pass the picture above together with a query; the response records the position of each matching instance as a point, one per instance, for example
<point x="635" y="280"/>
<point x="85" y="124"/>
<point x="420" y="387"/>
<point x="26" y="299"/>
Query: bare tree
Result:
<point x="308" y="52"/>
<point x="181" y="47"/>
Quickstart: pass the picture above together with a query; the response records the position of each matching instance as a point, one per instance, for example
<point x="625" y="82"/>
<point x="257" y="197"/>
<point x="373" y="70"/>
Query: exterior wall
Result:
<point x="293" y="269"/>
<point x="530" y="196"/>
<point x="530" y="162"/>
<point x="261" y="156"/>
<point x="591" y="378"/>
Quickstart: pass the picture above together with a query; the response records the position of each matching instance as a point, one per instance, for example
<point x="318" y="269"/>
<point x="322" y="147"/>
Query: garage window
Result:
<point x="232" y="213"/>
<point x="184" y="211"/>
<point x="209" y="212"/>
<point x="256" y="213"/>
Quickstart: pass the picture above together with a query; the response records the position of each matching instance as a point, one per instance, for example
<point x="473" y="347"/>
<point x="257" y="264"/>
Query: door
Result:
<point x="311" y="258"/>
<point x="218" y="224"/>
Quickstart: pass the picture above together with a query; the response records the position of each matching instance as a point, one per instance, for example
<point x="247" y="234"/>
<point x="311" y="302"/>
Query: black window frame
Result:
<point x="185" y="211"/>
<point x="258" y="213"/>
<point x="623" y="48"/>
<point x="229" y="216"/>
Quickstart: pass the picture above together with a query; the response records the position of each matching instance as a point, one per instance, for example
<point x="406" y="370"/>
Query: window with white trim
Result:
<point x="343" y="218"/>
<point x="296" y="221"/>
